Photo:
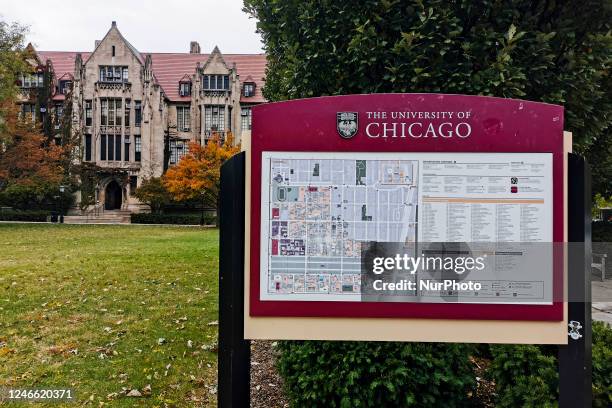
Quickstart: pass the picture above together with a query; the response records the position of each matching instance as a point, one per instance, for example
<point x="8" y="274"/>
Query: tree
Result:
<point x="12" y="65"/>
<point x="545" y="51"/>
<point x="153" y="193"/>
<point x="28" y="156"/>
<point x="30" y="167"/>
<point x="197" y="174"/>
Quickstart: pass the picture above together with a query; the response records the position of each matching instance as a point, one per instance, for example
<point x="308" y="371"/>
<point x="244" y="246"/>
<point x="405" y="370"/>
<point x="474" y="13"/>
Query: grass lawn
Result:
<point x="108" y="309"/>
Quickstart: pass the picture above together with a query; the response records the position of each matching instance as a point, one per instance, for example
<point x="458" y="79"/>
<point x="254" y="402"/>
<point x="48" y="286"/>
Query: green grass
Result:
<point x="85" y="307"/>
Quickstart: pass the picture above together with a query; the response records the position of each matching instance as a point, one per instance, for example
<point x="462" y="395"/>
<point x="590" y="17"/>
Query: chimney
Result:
<point x="97" y="43"/>
<point x="194" y="47"/>
<point x="114" y="24"/>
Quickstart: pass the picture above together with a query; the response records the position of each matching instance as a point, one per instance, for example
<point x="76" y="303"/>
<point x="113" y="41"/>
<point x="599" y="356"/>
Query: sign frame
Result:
<point x="498" y="125"/>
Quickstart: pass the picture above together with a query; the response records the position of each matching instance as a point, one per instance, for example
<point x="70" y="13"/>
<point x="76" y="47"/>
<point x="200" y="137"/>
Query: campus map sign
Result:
<point x="407" y="205"/>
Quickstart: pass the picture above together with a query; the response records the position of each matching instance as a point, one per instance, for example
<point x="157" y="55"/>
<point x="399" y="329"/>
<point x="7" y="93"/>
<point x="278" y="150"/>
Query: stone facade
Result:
<point x="136" y="112"/>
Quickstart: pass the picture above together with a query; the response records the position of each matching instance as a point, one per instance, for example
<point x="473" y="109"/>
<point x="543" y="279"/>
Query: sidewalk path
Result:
<point x="601" y="294"/>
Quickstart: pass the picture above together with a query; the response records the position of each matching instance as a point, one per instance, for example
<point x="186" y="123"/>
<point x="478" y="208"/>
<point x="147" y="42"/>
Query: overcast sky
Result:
<point x="151" y="26"/>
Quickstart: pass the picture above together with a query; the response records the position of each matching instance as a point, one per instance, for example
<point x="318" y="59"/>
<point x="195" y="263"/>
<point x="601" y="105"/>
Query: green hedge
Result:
<point x="376" y="374"/>
<point x="182" y="219"/>
<point x="31" y="216"/>
<point x="602" y="365"/>
<point x="527" y="376"/>
<point x="602" y="231"/>
<point x="40" y="197"/>
<point x="385" y="374"/>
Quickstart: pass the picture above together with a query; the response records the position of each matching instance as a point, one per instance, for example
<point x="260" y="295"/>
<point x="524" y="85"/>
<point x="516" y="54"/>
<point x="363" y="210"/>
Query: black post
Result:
<point x="234" y="350"/>
<point x="575" y="388"/>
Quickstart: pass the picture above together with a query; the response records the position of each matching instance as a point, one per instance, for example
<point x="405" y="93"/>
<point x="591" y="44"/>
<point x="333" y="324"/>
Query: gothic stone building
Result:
<point x="136" y="112"/>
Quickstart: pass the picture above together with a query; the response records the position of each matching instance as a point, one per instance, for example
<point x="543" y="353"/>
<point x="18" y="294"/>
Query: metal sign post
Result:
<point x="234" y="350"/>
<point x="575" y="387"/>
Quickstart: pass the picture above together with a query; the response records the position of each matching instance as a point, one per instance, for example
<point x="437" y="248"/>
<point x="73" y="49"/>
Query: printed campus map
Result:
<point x="318" y="213"/>
<point x="323" y="210"/>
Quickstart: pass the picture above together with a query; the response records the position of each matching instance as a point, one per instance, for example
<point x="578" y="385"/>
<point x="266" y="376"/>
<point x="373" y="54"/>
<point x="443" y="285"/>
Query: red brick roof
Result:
<point x="169" y="68"/>
<point x="63" y="64"/>
<point x="63" y="61"/>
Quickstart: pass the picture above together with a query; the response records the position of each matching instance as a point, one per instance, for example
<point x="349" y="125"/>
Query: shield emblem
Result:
<point x="347" y="124"/>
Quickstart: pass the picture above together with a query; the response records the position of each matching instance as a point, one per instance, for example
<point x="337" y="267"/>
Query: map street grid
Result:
<point x="321" y="212"/>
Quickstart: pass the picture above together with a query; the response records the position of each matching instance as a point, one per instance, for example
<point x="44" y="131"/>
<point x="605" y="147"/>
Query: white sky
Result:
<point x="151" y="26"/>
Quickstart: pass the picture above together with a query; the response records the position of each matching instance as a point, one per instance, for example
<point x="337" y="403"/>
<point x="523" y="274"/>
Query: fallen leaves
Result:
<point x="105" y="352"/>
<point x="63" y="350"/>
<point x="107" y="338"/>
<point x="146" y="391"/>
<point x="4" y="350"/>
<point x="133" y="393"/>
<point x="213" y="347"/>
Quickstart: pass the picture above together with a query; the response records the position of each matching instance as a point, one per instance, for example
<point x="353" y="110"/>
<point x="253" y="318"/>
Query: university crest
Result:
<point x="347" y="124"/>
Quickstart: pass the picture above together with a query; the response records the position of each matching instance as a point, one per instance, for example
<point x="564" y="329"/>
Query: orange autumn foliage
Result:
<point x="26" y="156"/>
<point x="197" y="174"/>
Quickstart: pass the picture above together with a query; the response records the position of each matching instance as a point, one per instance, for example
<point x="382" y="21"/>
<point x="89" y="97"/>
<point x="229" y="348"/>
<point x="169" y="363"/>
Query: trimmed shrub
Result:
<point x="524" y="376"/>
<point x="31" y="216"/>
<point x="376" y="374"/>
<point x="181" y="219"/>
<point x="527" y="376"/>
<point x="602" y="365"/>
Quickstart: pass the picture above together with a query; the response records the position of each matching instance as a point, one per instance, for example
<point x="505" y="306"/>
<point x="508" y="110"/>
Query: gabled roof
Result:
<point x="132" y="49"/>
<point x="63" y="61"/>
<point x="66" y="77"/>
<point x="215" y="53"/>
<point x="32" y="57"/>
<point x="170" y="68"/>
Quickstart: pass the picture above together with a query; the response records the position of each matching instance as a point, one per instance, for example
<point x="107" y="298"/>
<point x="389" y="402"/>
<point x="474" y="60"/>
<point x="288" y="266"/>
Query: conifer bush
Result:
<point x="527" y="376"/>
<point x="376" y="374"/>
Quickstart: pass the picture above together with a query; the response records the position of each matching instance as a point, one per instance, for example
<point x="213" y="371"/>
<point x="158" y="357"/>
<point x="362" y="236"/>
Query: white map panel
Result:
<point x="319" y="208"/>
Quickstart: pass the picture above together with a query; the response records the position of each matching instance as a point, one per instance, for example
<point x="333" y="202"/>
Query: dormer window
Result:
<point x="185" y="88"/>
<point x="65" y="87"/>
<point x="215" y="82"/>
<point x="248" y="89"/>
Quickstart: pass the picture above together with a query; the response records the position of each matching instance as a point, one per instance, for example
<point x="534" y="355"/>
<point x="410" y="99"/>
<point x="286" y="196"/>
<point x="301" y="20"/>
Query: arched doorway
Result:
<point x="113" y="196"/>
